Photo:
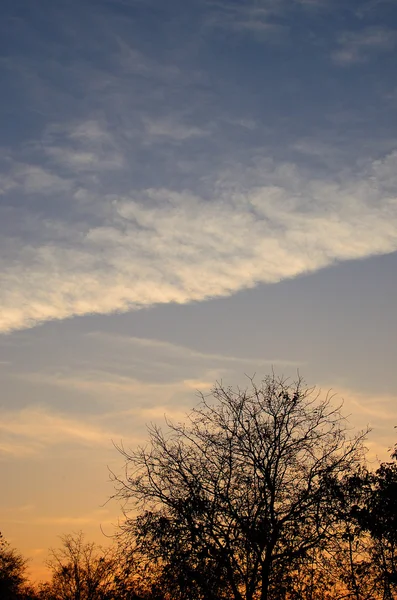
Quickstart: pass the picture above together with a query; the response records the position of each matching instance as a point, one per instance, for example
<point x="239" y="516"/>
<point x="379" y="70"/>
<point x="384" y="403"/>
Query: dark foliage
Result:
<point x="12" y="574"/>
<point x="233" y="502"/>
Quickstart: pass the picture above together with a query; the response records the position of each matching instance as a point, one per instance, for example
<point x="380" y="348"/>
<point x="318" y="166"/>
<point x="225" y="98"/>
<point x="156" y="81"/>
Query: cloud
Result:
<point x="37" y="429"/>
<point x="111" y="366"/>
<point x="34" y="515"/>
<point x="165" y="354"/>
<point x="172" y="129"/>
<point x="356" y="47"/>
<point x="125" y="202"/>
<point x="151" y="246"/>
<point x="33" y="429"/>
<point x="86" y="146"/>
<point x="32" y="179"/>
<point x="263" y="20"/>
<point x="376" y="411"/>
<point x="257" y="20"/>
<point x="94" y="518"/>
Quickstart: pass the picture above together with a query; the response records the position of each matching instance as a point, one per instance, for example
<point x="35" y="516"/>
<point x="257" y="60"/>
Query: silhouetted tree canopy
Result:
<point x="80" y="571"/>
<point x="232" y="503"/>
<point x="377" y="516"/>
<point x="12" y="572"/>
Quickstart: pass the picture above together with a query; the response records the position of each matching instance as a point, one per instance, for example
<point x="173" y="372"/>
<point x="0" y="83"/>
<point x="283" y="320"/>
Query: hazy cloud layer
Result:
<point x="360" y="46"/>
<point x="159" y="245"/>
<point x="34" y="430"/>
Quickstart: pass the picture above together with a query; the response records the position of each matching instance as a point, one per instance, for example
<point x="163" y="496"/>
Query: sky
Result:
<point x="190" y="191"/>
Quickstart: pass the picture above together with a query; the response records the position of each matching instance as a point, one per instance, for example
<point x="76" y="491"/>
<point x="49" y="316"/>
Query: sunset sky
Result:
<point x="190" y="191"/>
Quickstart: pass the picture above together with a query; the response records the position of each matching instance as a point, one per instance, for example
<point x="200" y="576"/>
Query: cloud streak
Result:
<point x="117" y="366"/>
<point x="160" y="245"/>
<point x="33" y="429"/>
<point x="358" y="47"/>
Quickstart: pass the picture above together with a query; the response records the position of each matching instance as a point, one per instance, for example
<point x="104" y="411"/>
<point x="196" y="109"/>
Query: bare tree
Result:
<point x="231" y="502"/>
<point x="80" y="571"/>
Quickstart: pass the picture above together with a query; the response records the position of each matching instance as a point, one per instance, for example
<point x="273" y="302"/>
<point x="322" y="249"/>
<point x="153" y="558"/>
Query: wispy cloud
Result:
<point x="22" y="515"/>
<point x="172" y="130"/>
<point x="356" y="47"/>
<point x="258" y="20"/>
<point x="32" y="430"/>
<point x="378" y="411"/>
<point x="131" y="404"/>
<point x="32" y="179"/>
<point x="97" y="516"/>
<point x="166" y="353"/>
<point x="159" y="245"/>
<point x="86" y="146"/>
<point x="263" y="20"/>
<point x="127" y="365"/>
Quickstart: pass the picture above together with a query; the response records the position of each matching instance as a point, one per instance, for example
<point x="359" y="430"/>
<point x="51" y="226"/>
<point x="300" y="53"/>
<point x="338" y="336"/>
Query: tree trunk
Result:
<point x="266" y="565"/>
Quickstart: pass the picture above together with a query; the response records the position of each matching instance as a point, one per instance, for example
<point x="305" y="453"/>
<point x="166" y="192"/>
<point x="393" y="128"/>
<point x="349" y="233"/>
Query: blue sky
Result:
<point x="189" y="191"/>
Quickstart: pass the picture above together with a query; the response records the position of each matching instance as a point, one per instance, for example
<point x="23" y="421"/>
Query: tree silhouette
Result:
<point x="80" y="571"/>
<point x="12" y="573"/>
<point x="378" y="517"/>
<point x="232" y="502"/>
